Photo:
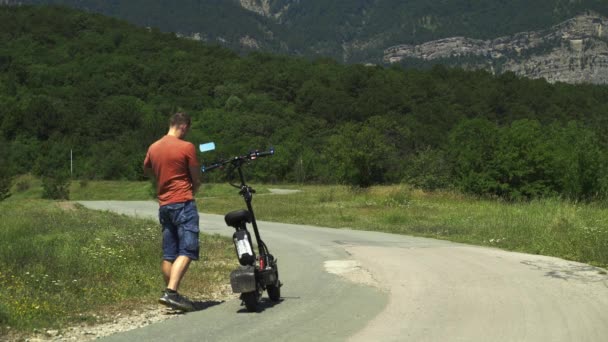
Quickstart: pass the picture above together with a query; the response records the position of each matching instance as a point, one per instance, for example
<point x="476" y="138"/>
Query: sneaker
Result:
<point x="176" y="301"/>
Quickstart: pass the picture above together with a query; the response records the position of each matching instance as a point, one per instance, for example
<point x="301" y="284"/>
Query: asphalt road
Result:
<point x="342" y="284"/>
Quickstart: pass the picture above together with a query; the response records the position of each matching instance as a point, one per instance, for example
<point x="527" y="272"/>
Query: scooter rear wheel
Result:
<point x="251" y="300"/>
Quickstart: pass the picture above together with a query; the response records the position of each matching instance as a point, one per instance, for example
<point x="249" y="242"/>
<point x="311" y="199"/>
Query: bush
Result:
<point x="4" y="315"/>
<point x="428" y="170"/>
<point x="5" y="187"/>
<point x="527" y="160"/>
<point x="56" y="187"/>
<point x="152" y="188"/>
<point x="6" y="177"/>
<point x="23" y="185"/>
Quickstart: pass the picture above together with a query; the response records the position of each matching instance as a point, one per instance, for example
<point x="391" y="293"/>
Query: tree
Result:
<point x="522" y="161"/>
<point x="429" y="169"/>
<point x="358" y="155"/>
<point x="53" y="166"/>
<point x="472" y="144"/>
<point x="579" y="162"/>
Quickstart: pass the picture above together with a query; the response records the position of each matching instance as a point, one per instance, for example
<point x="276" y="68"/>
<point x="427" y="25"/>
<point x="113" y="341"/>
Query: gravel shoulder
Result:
<point x="114" y="323"/>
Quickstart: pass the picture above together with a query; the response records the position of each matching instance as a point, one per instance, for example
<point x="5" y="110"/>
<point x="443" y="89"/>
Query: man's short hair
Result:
<point x="180" y="118"/>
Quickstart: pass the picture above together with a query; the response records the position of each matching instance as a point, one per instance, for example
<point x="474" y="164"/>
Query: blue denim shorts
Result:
<point x="180" y="230"/>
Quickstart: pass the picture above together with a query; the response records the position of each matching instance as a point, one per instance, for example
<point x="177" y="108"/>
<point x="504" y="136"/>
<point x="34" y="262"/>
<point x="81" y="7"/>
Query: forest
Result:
<point x="101" y="90"/>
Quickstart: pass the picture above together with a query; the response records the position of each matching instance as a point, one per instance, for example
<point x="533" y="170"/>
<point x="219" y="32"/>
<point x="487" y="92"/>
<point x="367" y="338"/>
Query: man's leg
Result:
<point x="181" y="240"/>
<point x="166" y="269"/>
<point x="173" y="272"/>
<point x="177" y="271"/>
<point x="188" y="245"/>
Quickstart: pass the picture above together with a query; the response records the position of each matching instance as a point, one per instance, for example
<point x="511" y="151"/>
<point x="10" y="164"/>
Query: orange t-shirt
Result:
<point x="170" y="158"/>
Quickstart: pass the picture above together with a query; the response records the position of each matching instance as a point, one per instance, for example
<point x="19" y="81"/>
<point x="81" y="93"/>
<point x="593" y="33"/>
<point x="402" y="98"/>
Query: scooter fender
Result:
<point x="243" y="279"/>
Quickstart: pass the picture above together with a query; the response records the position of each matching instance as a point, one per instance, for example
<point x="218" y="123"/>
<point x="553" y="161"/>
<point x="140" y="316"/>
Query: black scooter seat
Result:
<point x="237" y="218"/>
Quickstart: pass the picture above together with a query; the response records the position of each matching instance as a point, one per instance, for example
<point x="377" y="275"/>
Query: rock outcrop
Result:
<point x="575" y="51"/>
<point x="264" y="8"/>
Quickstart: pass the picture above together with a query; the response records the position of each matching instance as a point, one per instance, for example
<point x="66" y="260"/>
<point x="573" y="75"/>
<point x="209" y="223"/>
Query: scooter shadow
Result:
<point x="265" y="303"/>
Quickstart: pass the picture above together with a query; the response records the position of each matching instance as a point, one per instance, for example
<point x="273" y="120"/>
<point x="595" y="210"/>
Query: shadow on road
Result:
<point x="566" y="270"/>
<point x="202" y="305"/>
<point x="265" y="303"/>
<point x="198" y="306"/>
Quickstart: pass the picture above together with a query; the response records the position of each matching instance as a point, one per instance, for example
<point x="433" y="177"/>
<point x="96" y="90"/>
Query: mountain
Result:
<point x="355" y="31"/>
<point x="574" y="51"/>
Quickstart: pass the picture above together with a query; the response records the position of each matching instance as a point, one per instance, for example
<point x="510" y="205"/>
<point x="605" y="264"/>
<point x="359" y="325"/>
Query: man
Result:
<point x="172" y="161"/>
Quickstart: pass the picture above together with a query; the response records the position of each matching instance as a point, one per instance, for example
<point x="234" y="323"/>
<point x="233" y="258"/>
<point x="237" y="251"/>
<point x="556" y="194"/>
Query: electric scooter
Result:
<point x="256" y="273"/>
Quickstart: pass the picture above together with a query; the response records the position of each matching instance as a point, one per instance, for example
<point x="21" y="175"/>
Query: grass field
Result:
<point x="574" y="231"/>
<point x="62" y="264"/>
<point x="29" y="187"/>
<point x="59" y="261"/>
<point x="555" y="227"/>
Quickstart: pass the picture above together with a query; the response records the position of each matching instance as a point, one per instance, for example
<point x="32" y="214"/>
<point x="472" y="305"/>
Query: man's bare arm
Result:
<point x="196" y="179"/>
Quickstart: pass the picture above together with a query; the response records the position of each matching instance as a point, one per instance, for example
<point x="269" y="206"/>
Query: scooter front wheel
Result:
<point x="274" y="290"/>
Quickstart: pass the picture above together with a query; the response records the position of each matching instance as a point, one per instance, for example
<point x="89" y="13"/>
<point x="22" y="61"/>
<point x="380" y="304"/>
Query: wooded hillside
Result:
<point x="100" y="87"/>
<point x="350" y="31"/>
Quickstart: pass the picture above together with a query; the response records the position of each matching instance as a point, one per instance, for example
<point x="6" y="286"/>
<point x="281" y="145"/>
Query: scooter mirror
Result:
<point x="210" y="146"/>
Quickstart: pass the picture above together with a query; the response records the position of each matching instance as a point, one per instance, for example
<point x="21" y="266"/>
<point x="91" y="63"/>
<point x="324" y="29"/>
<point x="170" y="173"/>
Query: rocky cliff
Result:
<point x="265" y="8"/>
<point x="575" y="51"/>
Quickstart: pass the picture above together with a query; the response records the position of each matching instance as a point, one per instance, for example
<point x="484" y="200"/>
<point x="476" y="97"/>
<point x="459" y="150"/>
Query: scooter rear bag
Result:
<point x="243" y="279"/>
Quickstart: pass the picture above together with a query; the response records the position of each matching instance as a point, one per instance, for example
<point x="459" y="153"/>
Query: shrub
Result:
<point x="428" y="170"/>
<point x="5" y="186"/>
<point x="23" y="185"/>
<point x="6" y="177"/>
<point x="56" y="187"/>
<point x="84" y="183"/>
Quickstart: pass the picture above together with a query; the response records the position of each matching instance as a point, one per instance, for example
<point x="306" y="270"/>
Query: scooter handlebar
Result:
<point x="258" y="154"/>
<point x="206" y="168"/>
<point x="251" y="156"/>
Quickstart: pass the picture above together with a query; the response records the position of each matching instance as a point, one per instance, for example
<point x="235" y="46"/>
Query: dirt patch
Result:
<point x="67" y="206"/>
<point x="351" y="270"/>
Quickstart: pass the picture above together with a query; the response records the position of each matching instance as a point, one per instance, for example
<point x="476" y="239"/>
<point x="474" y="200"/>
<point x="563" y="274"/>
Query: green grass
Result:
<point x="575" y="231"/>
<point x="554" y="227"/>
<point x="29" y="187"/>
<point x="60" y="263"/>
